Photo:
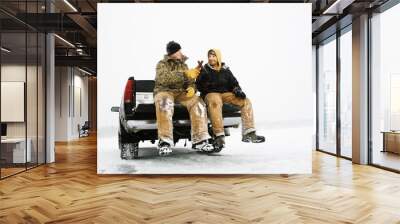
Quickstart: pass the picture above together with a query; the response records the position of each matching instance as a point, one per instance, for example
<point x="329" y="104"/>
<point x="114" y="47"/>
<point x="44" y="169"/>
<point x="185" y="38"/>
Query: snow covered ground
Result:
<point x="286" y="150"/>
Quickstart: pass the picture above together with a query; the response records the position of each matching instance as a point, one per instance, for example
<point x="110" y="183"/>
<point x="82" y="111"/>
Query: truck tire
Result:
<point x="123" y="136"/>
<point x="129" y="151"/>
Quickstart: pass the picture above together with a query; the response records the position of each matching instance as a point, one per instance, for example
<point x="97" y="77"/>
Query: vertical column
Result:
<point x="50" y="92"/>
<point x="338" y="97"/>
<point x="360" y="89"/>
<point x="314" y="86"/>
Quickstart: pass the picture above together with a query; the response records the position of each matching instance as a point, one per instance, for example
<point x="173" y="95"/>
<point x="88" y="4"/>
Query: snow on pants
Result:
<point x="164" y="103"/>
<point x="215" y="102"/>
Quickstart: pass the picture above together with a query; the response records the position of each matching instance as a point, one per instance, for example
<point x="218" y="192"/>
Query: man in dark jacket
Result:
<point x="217" y="85"/>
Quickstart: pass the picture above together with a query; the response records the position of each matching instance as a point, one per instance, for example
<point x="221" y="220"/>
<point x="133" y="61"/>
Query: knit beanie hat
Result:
<point x="172" y="47"/>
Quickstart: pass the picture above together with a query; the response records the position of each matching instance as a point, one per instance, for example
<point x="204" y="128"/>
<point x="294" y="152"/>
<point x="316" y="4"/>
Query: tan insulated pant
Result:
<point x="215" y="102"/>
<point x="164" y="103"/>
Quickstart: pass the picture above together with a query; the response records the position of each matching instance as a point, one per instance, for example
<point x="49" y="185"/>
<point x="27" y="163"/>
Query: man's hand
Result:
<point x="199" y="65"/>
<point x="192" y="73"/>
<point x="190" y="92"/>
<point x="239" y="93"/>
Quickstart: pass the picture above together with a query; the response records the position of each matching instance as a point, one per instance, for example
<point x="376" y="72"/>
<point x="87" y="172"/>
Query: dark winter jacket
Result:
<point x="211" y="80"/>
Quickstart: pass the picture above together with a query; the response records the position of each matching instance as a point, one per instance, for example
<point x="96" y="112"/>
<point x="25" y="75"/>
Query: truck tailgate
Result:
<point x="145" y="109"/>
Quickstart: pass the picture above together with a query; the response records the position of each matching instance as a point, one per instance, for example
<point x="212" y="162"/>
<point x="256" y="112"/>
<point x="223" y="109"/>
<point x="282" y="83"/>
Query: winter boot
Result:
<point x="219" y="143"/>
<point x="252" y="137"/>
<point x="203" y="146"/>
<point x="164" y="148"/>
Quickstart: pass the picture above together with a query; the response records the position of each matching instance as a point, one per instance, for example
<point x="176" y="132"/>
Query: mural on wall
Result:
<point x="186" y="92"/>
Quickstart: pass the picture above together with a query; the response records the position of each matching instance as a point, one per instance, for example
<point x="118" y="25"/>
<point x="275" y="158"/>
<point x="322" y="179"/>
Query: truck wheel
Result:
<point x="129" y="151"/>
<point x="135" y="150"/>
<point x="123" y="136"/>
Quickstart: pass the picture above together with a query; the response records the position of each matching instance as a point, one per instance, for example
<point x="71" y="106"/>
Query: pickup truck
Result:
<point x="137" y="118"/>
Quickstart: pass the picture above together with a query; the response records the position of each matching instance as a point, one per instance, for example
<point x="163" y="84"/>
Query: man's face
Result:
<point x="177" y="55"/>
<point x="212" y="59"/>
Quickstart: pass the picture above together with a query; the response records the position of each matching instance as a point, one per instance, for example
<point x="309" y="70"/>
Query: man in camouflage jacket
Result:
<point x="175" y="82"/>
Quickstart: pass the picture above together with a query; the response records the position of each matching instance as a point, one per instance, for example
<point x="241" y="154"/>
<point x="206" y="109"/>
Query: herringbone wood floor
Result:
<point x="70" y="191"/>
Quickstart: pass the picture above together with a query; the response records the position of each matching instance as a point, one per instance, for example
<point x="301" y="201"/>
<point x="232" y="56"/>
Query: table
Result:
<point x="391" y="141"/>
<point x="13" y="150"/>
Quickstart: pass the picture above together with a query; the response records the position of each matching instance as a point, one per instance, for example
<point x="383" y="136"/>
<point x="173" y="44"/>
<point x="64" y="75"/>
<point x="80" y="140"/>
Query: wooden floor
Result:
<point x="387" y="159"/>
<point x="5" y="172"/>
<point x="70" y="191"/>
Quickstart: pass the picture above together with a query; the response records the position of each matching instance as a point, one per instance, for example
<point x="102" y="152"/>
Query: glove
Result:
<point x="190" y="92"/>
<point x="192" y="73"/>
<point x="239" y="93"/>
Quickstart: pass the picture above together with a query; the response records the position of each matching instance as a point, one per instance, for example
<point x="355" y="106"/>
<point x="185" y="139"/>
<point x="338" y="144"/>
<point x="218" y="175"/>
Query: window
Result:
<point x="385" y="89"/>
<point x="327" y="96"/>
<point x="22" y="77"/>
<point x="346" y="93"/>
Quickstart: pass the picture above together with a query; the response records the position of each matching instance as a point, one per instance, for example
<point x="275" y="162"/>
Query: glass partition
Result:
<point x="22" y="77"/>
<point x="346" y="93"/>
<point x="32" y="95"/>
<point x="14" y="153"/>
<point x="327" y="96"/>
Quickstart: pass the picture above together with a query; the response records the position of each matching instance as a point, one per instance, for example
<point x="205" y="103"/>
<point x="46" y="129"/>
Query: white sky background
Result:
<point x="267" y="47"/>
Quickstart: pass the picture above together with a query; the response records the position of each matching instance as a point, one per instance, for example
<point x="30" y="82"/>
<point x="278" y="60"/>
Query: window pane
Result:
<point x="31" y="97"/>
<point x="327" y="97"/>
<point x="13" y="86"/>
<point x="386" y="89"/>
<point x="346" y="93"/>
<point x="23" y="90"/>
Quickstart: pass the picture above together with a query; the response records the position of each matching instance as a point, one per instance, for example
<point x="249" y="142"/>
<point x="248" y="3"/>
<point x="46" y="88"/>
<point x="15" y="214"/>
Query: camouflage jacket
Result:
<point x="170" y="76"/>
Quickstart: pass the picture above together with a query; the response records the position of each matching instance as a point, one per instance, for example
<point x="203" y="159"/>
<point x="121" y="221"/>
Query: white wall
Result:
<point x="61" y="103"/>
<point x="80" y="84"/>
<point x="69" y="81"/>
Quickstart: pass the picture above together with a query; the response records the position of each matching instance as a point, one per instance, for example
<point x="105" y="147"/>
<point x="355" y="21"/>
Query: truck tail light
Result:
<point x="129" y="90"/>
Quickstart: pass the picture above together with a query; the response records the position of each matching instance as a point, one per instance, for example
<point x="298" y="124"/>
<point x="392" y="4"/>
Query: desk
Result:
<point x="391" y="141"/>
<point x="13" y="150"/>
